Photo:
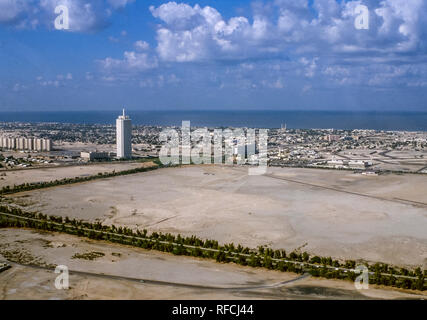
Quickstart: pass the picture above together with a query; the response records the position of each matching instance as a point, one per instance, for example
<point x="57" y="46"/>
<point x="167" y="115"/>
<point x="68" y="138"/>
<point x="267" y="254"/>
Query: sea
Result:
<point x="375" y="120"/>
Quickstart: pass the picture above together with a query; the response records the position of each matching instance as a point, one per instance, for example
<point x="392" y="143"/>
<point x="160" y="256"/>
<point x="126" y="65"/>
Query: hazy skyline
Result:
<point x="229" y="55"/>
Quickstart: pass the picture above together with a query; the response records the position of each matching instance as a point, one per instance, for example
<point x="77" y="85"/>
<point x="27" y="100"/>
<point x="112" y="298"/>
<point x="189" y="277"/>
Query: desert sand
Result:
<point x="16" y="177"/>
<point x="118" y="270"/>
<point x="324" y="212"/>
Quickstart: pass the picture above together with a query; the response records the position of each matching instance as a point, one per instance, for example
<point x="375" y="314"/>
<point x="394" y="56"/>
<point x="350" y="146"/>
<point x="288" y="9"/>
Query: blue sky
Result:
<point x="223" y="54"/>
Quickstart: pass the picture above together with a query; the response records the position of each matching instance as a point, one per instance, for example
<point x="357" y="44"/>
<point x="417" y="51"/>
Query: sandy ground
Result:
<point x="410" y="187"/>
<point x="183" y="277"/>
<point x="325" y="212"/>
<point x="11" y="178"/>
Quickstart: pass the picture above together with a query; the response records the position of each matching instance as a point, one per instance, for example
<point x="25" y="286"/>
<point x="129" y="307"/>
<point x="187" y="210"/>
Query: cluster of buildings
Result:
<point x="350" y="164"/>
<point x="364" y="150"/>
<point x="10" y="140"/>
<point x="361" y="150"/>
<point x="30" y="144"/>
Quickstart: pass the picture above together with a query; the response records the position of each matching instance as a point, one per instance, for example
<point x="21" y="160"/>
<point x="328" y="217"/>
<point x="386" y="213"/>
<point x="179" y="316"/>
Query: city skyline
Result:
<point x="198" y="55"/>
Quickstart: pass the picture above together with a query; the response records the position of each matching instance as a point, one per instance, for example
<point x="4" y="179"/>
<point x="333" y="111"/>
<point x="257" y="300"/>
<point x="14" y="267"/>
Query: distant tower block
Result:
<point x="124" y="136"/>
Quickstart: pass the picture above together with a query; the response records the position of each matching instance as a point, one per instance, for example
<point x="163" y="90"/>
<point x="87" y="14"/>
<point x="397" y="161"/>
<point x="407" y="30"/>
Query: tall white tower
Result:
<point x="124" y="136"/>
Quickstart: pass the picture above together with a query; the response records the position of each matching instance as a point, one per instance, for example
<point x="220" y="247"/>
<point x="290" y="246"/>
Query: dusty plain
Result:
<point x="122" y="272"/>
<point x="16" y="177"/>
<point x="325" y="212"/>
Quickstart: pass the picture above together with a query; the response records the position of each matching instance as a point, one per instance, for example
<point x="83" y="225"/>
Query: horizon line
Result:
<point x="220" y="110"/>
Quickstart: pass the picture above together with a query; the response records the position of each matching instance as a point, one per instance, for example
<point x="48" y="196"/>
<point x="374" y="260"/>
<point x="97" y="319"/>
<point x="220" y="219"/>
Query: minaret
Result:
<point x="124" y="136"/>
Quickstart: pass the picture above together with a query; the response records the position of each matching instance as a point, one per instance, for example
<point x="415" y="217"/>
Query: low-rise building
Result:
<point x="95" y="155"/>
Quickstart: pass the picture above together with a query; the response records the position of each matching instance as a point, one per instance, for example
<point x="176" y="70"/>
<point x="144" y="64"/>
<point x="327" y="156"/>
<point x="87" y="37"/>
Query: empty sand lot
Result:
<point x="116" y="273"/>
<point x="16" y="177"/>
<point x="336" y="213"/>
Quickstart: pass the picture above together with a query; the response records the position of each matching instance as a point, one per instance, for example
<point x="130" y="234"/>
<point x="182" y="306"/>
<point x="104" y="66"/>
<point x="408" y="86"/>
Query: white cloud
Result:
<point x="277" y="84"/>
<point x="417" y="84"/>
<point x="84" y="16"/>
<point x="10" y="10"/>
<point x="287" y="21"/>
<point x="310" y="66"/>
<point x="247" y="66"/>
<point x="401" y="19"/>
<point x="194" y="33"/>
<point x="141" y="45"/>
<point x="108" y="78"/>
<point x="132" y="61"/>
<point x="50" y="83"/>
<point x="119" y="3"/>
<point x="159" y="81"/>
<point x="67" y="76"/>
<point x="19" y="87"/>
<point x="313" y="41"/>
<point x="335" y="71"/>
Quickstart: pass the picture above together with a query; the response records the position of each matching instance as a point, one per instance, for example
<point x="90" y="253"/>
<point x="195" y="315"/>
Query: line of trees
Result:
<point x="101" y="175"/>
<point x="298" y="262"/>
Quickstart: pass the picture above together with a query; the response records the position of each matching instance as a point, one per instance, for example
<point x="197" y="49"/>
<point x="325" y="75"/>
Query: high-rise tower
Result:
<point x="124" y="136"/>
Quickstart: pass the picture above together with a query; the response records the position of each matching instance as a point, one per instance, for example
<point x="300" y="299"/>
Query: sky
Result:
<point x="211" y="55"/>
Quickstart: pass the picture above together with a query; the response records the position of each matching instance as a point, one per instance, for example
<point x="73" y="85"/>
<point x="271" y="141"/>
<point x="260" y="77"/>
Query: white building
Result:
<point x="29" y="144"/>
<point x="38" y="144"/>
<point x="20" y="143"/>
<point x="48" y="145"/>
<point x="124" y="136"/>
<point x="12" y="143"/>
<point x="94" y="155"/>
<point x="358" y="164"/>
